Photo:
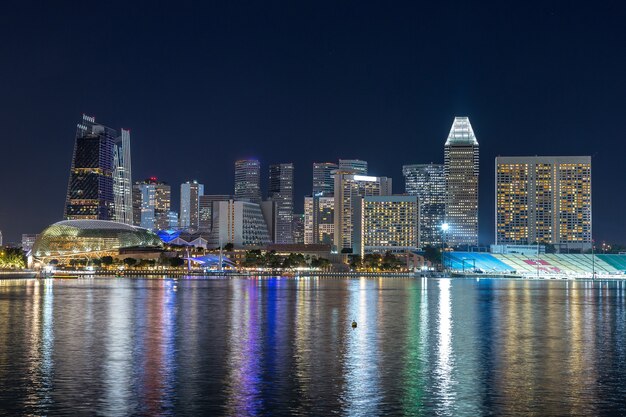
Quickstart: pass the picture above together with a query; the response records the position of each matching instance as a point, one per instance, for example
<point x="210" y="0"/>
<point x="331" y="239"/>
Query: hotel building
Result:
<point x="390" y="223"/>
<point x="349" y="189"/>
<point x="544" y="199"/>
<point x="319" y="220"/>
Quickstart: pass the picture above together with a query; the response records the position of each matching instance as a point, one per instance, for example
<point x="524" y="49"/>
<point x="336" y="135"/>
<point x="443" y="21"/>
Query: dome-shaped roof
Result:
<point x="76" y="237"/>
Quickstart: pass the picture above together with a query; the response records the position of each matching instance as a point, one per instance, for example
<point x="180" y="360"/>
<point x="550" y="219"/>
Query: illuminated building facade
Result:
<point x="151" y="204"/>
<point x="90" y="187"/>
<point x="248" y="180"/>
<point x="90" y="238"/>
<point x="359" y="167"/>
<point x="206" y="209"/>
<point x="99" y="186"/>
<point x="461" y="176"/>
<point x="281" y="192"/>
<point x="390" y="223"/>
<point x="297" y="227"/>
<point x="190" y="193"/>
<point x="240" y="223"/>
<point x="319" y="220"/>
<point x="323" y="184"/>
<point x="428" y="183"/>
<point x="349" y="189"/>
<point x="122" y="181"/>
<point x="544" y="199"/>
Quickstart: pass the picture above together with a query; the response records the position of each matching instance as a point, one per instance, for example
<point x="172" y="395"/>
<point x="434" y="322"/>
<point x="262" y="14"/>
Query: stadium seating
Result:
<point x="544" y="264"/>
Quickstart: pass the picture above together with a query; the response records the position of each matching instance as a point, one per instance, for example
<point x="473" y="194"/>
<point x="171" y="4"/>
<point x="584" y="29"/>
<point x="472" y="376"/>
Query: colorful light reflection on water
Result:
<point x="286" y="347"/>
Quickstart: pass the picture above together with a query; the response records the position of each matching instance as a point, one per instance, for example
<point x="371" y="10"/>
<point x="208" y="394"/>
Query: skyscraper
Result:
<point x="461" y="173"/>
<point x="122" y="181"/>
<point x="349" y="190"/>
<point x="319" y="220"/>
<point x="248" y="180"/>
<point x="359" y="167"/>
<point x="428" y="183"/>
<point x="90" y="186"/>
<point x="206" y="209"/>
<point x="544" y="199"/>
<point x="151" y="204"/>
<point x="240" y="223"/>
<point x="323" y="184"/>
<point x="99" y="186"/>
<point x="190" y="205"/>
<point x="281" y="191"/>
<point x="297" y="228"/>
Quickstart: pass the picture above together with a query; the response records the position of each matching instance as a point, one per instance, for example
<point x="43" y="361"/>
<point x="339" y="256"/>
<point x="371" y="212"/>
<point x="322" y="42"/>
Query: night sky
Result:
<point x="301" y="81"/>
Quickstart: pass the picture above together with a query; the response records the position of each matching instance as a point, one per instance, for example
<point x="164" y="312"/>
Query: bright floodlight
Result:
<point x="445" y="227"/>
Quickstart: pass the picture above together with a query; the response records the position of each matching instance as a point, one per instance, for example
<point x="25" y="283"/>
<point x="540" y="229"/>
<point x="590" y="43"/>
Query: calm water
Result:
<point x="286" y="347"/>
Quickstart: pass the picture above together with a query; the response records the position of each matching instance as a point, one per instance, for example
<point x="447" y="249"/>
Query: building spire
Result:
<point x="461" y="133"/>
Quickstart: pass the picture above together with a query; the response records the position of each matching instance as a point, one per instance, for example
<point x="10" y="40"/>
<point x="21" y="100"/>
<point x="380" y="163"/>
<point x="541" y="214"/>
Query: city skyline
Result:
<point x="382" y="94"/>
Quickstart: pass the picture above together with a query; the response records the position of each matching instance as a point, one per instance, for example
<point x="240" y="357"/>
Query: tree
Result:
<point x="176" y="262"/>
<point x="253" y="258"/>
<point x="355" y="261"/>
<point x="229" y="247"/>
<point x="432" y="254"/>
<point x="107" y="260"/>
<point x="130" y="262"/>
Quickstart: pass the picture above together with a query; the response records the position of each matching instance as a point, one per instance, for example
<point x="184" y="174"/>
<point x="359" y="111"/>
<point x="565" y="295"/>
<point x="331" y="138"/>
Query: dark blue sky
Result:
<point x="201" y="85"/>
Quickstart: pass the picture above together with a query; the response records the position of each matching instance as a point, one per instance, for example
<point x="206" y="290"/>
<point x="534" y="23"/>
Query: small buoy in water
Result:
<point x="354" y="324"/>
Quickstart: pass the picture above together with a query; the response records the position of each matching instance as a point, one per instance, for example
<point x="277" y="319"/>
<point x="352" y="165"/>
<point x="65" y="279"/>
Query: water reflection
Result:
<point x="285" y="347"/>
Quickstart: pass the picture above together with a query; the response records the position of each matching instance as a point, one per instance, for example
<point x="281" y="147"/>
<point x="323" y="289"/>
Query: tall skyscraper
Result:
<point x="100" y="185"/>
<point x="190" y="193"/>
<point x="281" y="192"/>
<point x="544" y="199"/>
<point x="90" y="186"/>
<point x="151" y="204"/>
<point x="122" y="181"/>
<point x="349" y="189"/>
<point x="461" y="173"/>
<point x="248" y="180"/>
<point x="323" y="184"/>
<point x="358" y="166"/>
<point x="428" y="183"/>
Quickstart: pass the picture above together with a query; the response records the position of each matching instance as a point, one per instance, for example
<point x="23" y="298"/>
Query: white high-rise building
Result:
<point x="240" y="223"/>
<point x="461" y="174"/>
<point x="122" y="180"/>
<point x="190" y="193"/>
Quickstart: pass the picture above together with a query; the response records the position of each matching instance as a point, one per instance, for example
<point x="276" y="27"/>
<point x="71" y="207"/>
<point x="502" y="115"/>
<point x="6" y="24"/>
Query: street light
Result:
<point x="444" y="229"/>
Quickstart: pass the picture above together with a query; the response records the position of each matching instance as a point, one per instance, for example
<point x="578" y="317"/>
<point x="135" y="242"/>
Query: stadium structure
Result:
<point x="540" y="266"/>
